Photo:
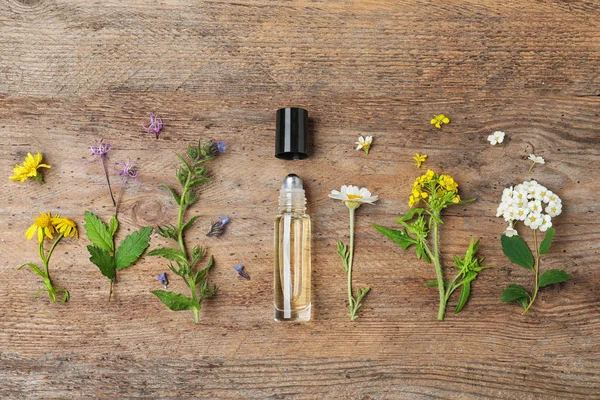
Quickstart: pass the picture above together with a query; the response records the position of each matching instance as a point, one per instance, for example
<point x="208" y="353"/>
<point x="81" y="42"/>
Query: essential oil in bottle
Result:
<point x="292" y="289"/>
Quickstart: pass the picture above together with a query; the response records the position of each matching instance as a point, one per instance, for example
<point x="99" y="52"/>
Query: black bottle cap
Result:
<point x="291" y="138"/>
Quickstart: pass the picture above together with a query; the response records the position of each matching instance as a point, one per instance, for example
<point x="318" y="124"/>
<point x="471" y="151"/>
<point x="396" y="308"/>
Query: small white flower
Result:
<point x="554" y="209"/>
<point x="521" y="213"/>
<point x="364" y="143"/>
<point x="510" y="214"/>
<point x="496" y="137"/>
<point x="510" y="231"/>
<point x="536" y="160"/>
<point x="553" y="198"/>
<point x="546" y="223"/>
<point x="353" y="195"/>
<point x="533" y="220"/>
<point x="535" y="206"/>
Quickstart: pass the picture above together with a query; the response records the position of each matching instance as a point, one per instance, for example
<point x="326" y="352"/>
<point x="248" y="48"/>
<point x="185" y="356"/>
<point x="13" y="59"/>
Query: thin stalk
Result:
<point x="108" y="181"/>
<point x="438" y="271"/>
<point x="537" y="272"/>
<point x="350" y="260"/>
<point x="119" y="195"/>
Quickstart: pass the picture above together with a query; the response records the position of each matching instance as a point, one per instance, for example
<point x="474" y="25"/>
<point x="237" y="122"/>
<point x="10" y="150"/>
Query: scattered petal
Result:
<point x="155" y="125"/>
<point x="420" y="159"/>
<point x="439" y="119"/>
<point x="496" y="137"/>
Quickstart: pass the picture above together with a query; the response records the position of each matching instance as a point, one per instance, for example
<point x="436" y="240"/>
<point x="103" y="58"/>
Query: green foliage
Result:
<point x="553" y="276"/>
<point x="545" y="245"/>
<point x="517" y="251"/>
<point x="102" y="253"/>
<point x="398" y="236"/>
<point x="190" y="175"/>
<point x="344" y="254"/>
<point x="514" y="293"/>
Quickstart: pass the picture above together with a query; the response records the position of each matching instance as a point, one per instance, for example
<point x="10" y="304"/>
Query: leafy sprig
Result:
<point x="517" y="250"/>
<point x="182" y="262"/>
<point x="103" y="252"/>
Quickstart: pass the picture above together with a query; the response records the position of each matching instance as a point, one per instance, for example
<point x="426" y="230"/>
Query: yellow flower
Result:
<point x="65" y="226"/>
<point x="448" y="183"/>
<point x="440" y="119"/>
<point x="29" y="169"/>
<point x="456" y="199"/>
<point x="420" y="159"/>
<point x="44" y="226"/>
<point x="411" y="201"/>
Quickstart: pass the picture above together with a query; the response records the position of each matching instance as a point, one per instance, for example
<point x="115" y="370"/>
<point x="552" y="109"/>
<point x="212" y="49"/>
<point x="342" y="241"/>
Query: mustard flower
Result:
<point x="440" y="119"/>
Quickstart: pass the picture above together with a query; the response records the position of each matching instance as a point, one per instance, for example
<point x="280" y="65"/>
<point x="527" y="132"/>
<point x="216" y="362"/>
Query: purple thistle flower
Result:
<point x="240" y="271"/>
<point x="155" y="124"/>
<point x="100" y="149"/>
<point x="162" y="278"/>
<point x="221" y="146"/>
<point x="217" y="228"/>
<point x="127" y="169"/>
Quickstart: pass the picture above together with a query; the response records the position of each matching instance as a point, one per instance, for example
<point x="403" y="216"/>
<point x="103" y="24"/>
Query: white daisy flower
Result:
<point x="496" y="137"/>
<point x="354" y="196"/>
<point x="364" y="143"/>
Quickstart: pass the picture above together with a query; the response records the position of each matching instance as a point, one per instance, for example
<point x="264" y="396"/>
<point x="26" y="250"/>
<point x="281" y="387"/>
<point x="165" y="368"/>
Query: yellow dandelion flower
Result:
<point x="65" y="226"/>
<point x="44" y="226"/>
<point x="29" y="169"/>
<point x="420" y="159"/>
<point x="440" y="119"/>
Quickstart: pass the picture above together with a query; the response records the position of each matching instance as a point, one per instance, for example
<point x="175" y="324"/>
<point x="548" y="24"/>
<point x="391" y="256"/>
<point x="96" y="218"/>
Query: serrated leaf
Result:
<point x="113" y="226"/>
<point x="545" y="245"/>
<point x="398" y="236"/>
<point x="132" y="247"/>
<point x="190" y="222"/>
<point x="514" y="292"/>
<point x="175" y="301"/>
<point x="173" y="193"/>
<point x="553" y="276"/>
<point x="103" y="260"/>
<point x="464" y="296"/>
<point x="517" y="251"/>
<point x="98" y="233"/>
<point x="168" y="253"/>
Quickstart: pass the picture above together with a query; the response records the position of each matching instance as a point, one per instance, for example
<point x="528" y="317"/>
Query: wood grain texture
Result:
<point x="74" y="71"/>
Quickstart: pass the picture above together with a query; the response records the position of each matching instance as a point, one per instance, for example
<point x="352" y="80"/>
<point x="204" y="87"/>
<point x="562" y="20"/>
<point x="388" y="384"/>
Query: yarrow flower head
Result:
<point x="364" y="143"/>
<point x="438" y="190"/>
<point x="29" y="169"/>
<point x="440" y="119"/>
<point x="353" y="196"/>
<point x="155" y="125"/>
<point x="536" y="160"/>
<point x="217" y="228"/>
<point x="531" y="203"/>
<point x="496" y="137"/>
<point x="419" y="159"/>
<point x="100" y="149"/>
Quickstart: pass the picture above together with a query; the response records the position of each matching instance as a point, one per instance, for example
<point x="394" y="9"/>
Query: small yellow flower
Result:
<point x="440" y="119"/>
<point x="456" y="199"/>
<point x="44" y="226"/>
<point x="420" y="159"/>
<point x="65" y="226"/>
<point x="448" y="183"/>
<point x="29" y="169"/>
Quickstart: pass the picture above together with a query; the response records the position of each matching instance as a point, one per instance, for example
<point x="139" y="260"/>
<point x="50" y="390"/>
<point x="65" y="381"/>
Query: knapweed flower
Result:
<point x="67" y="227"/>
<point x="44" y="226"/>
<point x="496" y="137"/>
<point x="162" y="278"/>
<point x="100" y="149"/>
<point x="240" y="271"/>
<point x="440" y="190"/>
<point x="536" y="160"/>
<point x="29" y="169"/>
<point x="353" y="196"/>
<point x="440" y="119"/>
<point x="217" y="228"/>
<point x="531" y="203"/>
<point x="155" y="125"/>
<point x="127" y="169"/>
<point x="419" y="159"/>
<point x="364" y="143"/>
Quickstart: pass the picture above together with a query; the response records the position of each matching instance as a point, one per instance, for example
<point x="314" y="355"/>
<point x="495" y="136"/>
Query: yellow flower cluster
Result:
<point x="46" y="225"/>
<point x="29" y="169"/>
<point x="430" y="183"/>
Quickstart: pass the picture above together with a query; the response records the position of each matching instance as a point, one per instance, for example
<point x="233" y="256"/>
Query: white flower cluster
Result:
<point x="531" y="203"/>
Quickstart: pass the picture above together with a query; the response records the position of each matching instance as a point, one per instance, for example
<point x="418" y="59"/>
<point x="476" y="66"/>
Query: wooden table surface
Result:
<point x="74" y="71"/>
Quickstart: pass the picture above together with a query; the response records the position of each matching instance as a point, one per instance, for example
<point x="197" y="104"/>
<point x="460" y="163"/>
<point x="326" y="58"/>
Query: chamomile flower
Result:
<point x="29" y="169"/>
<point x="536" y="160"/>
<point x="364" y="143"/>
<point x="496" y="137"/>
<point x="353" y="196"/>
<point x="439" y="119"/>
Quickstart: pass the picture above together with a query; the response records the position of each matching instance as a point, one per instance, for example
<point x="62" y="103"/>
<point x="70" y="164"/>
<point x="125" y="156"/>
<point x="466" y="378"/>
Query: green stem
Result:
<point x="438" y="271"/>
<point x="350" y="261"/>
<point x="537" y="272"/>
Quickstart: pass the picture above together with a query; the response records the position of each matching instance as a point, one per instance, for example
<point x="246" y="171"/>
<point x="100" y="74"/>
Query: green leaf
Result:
<point x="175" y="301"/>
<point x="464" y="296"/>
<point x="545" y="246"/>
<point x="517" y="251"/>
<point x="34" y="268"/>
<point x="132" y="247"/>
<point x="344" y="254"/>
<point x="173" y="193"/>
<point x="103" y="260"/>
<point x="184" y="162"/>
<point x="523" y="302"/>
<point x="398" y="236"/>
<point x="168" y="253"/>
<point x="113" y="226"/>
<point x="431" y="284"/>
<point x="190" y="222"/>
<point x="553" y="276"/>
<point x="421" y="253"/>
<point x="409" y="215"/>
<point x="98" y="233"/>
<point x="514" y="292"/>
<point x="198" y="182"/>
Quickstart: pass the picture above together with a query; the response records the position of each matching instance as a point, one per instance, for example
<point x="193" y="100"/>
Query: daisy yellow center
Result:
<point x="354" y="196"/>
<point x="43" y="221"/>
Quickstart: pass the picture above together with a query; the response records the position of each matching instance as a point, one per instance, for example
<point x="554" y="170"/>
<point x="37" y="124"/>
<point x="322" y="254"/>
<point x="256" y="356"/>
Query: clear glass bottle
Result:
<point x="292" y="287"/>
